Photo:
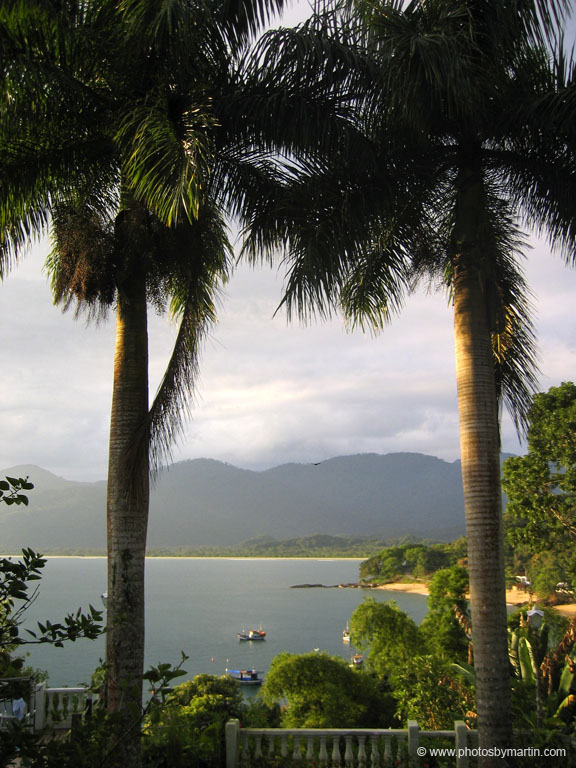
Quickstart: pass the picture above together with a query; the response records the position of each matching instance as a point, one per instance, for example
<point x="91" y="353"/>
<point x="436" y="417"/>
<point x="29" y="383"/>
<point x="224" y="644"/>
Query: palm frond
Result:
<point x="543" y="186"/>
<point x="514" y="346"/>
<point x="243" y="19"/>
<point x="37" y="174"/>
<point x="165" y="170"/>
<point x="204" y="256"/>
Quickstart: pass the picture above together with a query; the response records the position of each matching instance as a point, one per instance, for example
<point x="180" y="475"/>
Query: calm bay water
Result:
<point x="198" y="606"/>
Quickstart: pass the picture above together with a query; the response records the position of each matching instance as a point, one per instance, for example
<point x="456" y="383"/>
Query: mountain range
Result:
<point x="207" y="503"/>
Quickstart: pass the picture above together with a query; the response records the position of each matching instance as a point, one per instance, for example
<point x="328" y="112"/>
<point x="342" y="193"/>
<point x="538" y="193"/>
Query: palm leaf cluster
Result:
<point x="110" y="107"/>
<point x="439" y="94"/>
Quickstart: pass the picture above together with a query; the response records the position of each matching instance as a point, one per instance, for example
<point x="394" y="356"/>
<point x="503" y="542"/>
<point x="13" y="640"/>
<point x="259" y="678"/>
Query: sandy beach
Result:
<point x="412" y="587"/>
<point x="513" y="596"/>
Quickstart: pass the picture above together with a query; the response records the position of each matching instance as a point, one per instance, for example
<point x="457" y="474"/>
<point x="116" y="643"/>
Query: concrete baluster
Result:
<point x="271" y="746"/>
<point x="388" y="759"/>
<point x="361" y="751"/>
<point x="310" y="748"/>
<point x="245" y="754"/>
<point x="323" y="753"/>
<point x="296" y="754"/>
<point x="349" y="753"/>
<point x="336" y="751"/>
<point x="375" y="752"/>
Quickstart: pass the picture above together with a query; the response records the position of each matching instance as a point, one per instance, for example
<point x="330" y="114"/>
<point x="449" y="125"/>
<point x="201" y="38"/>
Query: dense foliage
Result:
<point x="322" y="691"/>
<point x="187" y="729"/>
<point x="541" y="487"/>
<point x="447" y="623"/>
<point x="412" y="559"/>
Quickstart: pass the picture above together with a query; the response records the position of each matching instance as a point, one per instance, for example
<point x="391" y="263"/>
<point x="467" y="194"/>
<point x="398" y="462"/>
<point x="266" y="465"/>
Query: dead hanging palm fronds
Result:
<point x="463" y="619"/>
<point x="81" y="261"/>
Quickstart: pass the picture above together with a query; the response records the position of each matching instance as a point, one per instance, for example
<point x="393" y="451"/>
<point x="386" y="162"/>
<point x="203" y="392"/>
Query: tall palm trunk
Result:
<point x="480" y="455"/>
<point x="127" y="519"/>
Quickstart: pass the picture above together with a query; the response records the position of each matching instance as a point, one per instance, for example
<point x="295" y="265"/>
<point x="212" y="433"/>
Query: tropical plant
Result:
<point x="540" y="486"/>
<point x="430" y="691"/>
<point x="321" y="691"/>
<point x="542" y="664"/>
<point x="187" y="729"/>
<point x="454" y="161"/>
<point x="447" y="613"/>
<point x="131" y="129"/>
<point x="389" y="637"/>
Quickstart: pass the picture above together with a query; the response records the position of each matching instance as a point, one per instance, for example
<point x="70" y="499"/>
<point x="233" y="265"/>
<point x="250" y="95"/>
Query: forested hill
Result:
<point x="206" y="503"/>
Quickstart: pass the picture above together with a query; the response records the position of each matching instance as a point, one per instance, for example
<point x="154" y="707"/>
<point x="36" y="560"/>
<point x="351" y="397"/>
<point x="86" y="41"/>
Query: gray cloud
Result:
<point x="269" y="392"/>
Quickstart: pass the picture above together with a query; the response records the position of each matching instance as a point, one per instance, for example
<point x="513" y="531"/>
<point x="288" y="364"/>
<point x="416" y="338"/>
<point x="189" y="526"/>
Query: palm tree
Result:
<point x="128" y="263"/>
<point x="452" y="165"/>
<point x="131" y="129"/>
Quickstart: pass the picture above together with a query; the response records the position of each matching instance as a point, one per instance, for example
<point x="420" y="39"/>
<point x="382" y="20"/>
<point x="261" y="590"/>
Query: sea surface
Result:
<point x="198" y="605"/>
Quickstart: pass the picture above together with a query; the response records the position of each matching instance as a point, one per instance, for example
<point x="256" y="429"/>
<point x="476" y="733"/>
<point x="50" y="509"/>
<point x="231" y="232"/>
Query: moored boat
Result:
<point x="252" y="634"/>
<point x="245" y="676"/>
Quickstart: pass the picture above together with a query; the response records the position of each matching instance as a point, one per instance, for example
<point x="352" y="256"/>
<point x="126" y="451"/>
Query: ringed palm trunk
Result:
<point x="127" y="520"/>
<point x="480" y="455"/>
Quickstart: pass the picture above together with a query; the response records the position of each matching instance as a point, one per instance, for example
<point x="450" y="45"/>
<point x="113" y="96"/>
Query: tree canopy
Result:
<point x="322" y="691"/>
<point x="541" y="486"/>
<point x="541" y="491"/>
<point x="390" y="637"/>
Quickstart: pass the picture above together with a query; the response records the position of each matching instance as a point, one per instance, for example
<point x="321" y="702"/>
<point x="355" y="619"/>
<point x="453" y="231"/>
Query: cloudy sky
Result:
<point x="269" y="392"/>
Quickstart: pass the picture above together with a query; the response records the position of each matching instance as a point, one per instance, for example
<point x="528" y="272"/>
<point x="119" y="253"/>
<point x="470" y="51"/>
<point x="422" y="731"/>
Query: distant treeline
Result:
<point x="317" y="545"/>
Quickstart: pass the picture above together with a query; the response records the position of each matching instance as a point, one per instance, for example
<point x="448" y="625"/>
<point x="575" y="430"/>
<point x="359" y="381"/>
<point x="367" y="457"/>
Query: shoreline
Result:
<point x="515" y="597"/>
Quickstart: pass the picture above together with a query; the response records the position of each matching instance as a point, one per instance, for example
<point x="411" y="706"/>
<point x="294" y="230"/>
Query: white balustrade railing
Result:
<point x="345" y="748"/>
<point x="55" y="707"/>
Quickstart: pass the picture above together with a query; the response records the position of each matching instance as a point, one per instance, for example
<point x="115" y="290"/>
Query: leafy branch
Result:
<point x="11" y="488"/>
<point x="17" y="594"/>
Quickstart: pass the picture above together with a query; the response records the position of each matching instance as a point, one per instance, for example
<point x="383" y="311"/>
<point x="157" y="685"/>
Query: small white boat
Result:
<point x="245" y="676"/>
<point x="346" y="634"/>
<point x="252" y="634"/>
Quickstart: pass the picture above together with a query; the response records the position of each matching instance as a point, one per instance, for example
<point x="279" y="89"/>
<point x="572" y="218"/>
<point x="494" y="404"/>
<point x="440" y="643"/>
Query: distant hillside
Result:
<point x="205" y="503"/>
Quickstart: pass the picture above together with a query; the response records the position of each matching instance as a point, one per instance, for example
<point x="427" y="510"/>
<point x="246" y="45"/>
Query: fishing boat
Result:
<point x="245" y="676"/>
<point x="252" y="634"/>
